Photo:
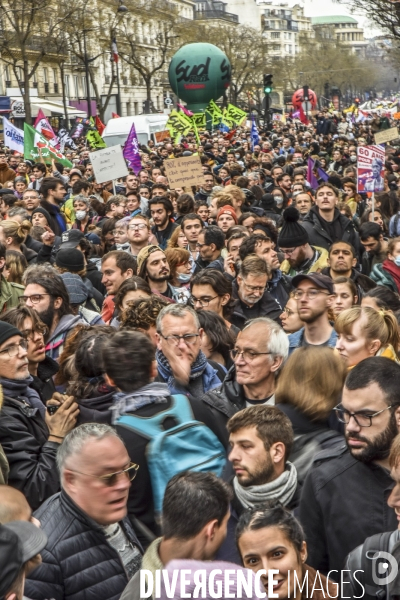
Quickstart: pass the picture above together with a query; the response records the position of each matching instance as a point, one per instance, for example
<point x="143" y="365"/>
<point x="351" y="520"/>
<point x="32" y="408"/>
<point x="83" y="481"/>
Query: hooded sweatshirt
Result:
<point x="55" y="343"/>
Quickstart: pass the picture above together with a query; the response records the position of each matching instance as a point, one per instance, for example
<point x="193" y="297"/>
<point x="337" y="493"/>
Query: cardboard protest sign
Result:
<point x="108" y="164"/>
<point x="161" y="135"/>
<point x="396" y="116"/>
<point x="386" y="136"/>
<point x="370" y="168"/>
<point x="184" y="171"/>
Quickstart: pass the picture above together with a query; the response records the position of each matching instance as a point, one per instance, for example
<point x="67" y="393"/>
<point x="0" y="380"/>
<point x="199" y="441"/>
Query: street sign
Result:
<point x="168" y="101"/>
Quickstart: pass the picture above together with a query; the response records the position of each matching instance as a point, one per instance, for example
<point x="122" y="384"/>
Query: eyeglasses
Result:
<point x="28" y="333"/>
<point x="288" y="311"/>
<point x="288" y="251"/>
<point x="111" y="479"/>
<point x="247" y="355"/>
<point x="254" y="288"/>
<point x="188" y="338"/>
<point x="362" y="419"/>
<point x="138" y="226"/>
<point x="35" y="298"/>
<point x="311" y="294"/>
<point x="202" y="301"/>
<point x="13" y="350"/>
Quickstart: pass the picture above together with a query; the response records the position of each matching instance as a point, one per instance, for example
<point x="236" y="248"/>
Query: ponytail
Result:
<point x="393" y="329"/>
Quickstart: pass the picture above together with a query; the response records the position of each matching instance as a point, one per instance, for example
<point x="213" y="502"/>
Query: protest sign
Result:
<point x="184" y="171"/>
<point x="162" y="135"/>
<point x="108" y="164"/>
<point x="370" y="168"/>
<point x="396" y="116"/>
<point x="386" y="136"/>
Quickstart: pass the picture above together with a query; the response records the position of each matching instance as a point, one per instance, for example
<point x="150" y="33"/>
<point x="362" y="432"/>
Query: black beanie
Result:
<point x="7" y="331"/>
<point x="70" y="259"/>
<point x="44" y="212"/>
<point x="292" y="233"/>
<point x="267" y="202"/>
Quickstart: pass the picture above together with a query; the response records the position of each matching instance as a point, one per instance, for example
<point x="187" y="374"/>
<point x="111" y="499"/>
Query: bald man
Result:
<point x="14" y="506"/>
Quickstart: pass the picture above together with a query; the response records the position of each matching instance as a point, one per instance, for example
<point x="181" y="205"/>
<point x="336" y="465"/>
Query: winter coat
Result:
<point x="9" y="294"/>
<point x="343" y="502"/>
<point x="6" y="174"/>
<point x="268" y="307"/>
<point x="77" y="563"/>
<point x="383" y="277"/>
<point x="318" y="236"/>
<point x="4" y="467"/>
<point x="95" y="276"/>
<point x="362" y="282"/>
<point x="43" y="382"/>
<point x="55" y="343"/>
<point x="96" y="409"/>
<point x="280" y="287"/>
<point x="296" y="340"/>
<point x="32" y="458"/>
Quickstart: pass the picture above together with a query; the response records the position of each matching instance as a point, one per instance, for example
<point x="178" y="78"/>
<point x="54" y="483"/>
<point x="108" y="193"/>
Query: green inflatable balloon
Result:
<point x="199" y="73"/>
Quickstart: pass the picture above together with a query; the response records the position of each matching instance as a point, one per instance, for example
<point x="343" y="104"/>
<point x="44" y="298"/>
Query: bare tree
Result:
<point x="28" y="34"/>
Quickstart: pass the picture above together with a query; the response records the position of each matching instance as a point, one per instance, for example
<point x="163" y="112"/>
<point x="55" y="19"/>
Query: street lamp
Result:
<point x="121" y="10"/>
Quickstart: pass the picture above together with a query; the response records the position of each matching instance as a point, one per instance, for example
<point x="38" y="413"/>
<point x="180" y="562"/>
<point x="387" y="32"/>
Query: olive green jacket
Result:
<point x="9" y="294"/>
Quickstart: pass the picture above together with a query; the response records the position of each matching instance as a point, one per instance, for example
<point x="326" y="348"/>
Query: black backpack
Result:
<point x="362" y="561"/>
<point x="307" y="446"/>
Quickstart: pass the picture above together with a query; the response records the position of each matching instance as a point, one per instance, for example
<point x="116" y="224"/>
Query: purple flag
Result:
<point x="312" y="180"/>
<point x="131" y="151"/>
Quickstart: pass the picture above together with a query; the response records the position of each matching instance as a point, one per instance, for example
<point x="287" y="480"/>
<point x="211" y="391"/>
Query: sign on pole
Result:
<point x="184" y="171"/>
<point x="370" y="168"/>
<point x="108" y="164"/>
<point x="386" y="136"/>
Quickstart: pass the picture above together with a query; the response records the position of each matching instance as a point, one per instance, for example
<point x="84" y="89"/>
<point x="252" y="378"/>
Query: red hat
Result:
<point x="227" y="209"/>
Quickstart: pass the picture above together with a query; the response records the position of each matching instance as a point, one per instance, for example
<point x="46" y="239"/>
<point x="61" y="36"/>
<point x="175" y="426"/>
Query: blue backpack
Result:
<point x="189" y="445"/>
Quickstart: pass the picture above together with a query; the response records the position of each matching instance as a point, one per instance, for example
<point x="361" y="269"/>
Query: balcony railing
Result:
<point x="202" y="15"/>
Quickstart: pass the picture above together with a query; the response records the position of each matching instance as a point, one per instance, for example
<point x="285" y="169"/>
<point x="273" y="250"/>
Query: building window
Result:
<point x="275" y="35"/>
<point x="66" y="84"/>
<point x="76" y="86"/>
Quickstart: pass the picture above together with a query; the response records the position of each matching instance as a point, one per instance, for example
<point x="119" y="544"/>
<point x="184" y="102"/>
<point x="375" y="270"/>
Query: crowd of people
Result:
<point x="203" y="377"/>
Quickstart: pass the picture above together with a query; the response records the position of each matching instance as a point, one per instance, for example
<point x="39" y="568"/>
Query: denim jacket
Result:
<point x="296" y="339"/>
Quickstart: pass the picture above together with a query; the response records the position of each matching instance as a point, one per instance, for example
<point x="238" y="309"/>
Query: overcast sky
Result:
<point x="319" y="8"/>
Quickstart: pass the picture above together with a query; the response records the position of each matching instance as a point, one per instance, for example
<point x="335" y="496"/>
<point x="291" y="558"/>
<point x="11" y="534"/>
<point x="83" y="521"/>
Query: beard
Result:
<point x="159" y="278"/>
<point x="376" y="251"/>
<point x="311" y="317"/>
<point x="379" y="447"/>
<point x="47" y="316"/>
<point x="262" y="473"/>
<point x="299" y="260"/>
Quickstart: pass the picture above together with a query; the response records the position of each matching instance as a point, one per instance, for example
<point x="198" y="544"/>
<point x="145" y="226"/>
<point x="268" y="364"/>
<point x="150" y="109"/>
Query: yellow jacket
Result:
<point x="317" y="267"/>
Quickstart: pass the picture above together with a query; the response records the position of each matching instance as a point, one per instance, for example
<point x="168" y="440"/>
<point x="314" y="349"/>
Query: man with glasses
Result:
<point x="92" y="549"/>
<point x="314" y="294"/>
<point x="46" y="293"/>
<point x="250" y="289"/>
<point x="30" y="435"/>
<point x="143" y="396"/>
<point x="138" y="234"/>
<point x="260" y="350"/>
<point x="30" y="200"/>
<point x="344" y="498"/>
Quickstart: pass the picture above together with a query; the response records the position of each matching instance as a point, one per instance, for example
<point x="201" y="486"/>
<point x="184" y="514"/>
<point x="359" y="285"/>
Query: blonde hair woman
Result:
<point x="15" y="234"/>
<point x="364" y="332"/>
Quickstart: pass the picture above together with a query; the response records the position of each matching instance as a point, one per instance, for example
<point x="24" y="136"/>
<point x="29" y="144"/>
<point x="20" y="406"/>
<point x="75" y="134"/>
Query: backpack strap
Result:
<point x="376" y="543"/>
<point x="150" y="427"/>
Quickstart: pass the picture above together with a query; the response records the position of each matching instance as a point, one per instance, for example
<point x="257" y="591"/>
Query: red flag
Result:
<point x="303" y="117"/>
<point x="114" y="51"/>
<point x="115" y="116"/>
<point x="43" y="126"/>
<point x="99" y="125"/>
<point x="229" y="136"/>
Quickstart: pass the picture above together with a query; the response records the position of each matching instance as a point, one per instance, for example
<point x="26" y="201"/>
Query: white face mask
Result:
<point x="80" y="214"/>
<point x="397" y="261"/>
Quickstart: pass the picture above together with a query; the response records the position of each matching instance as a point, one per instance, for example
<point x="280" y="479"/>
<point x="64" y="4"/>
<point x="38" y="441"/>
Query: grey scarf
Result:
<point x="152" y="393"/>
<point x="282" y="489"/>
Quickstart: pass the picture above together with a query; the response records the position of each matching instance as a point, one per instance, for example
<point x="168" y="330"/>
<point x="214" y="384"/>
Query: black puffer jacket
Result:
<point x="78" y="563"/>
<point x="43" y="382"/>
<point x="318" y="236"/>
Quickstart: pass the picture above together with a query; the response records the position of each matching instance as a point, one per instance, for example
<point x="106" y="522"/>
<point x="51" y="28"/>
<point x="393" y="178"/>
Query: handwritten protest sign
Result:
<point x="108" y="164"/>
<point x="184" y="171"/>
<point x="162" y="135"/>
<point x="386" y="136"/>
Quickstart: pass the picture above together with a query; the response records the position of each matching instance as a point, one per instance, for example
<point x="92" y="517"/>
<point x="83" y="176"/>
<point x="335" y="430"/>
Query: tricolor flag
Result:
<point x="114" y="50"/>
<point x="36" y="147"/>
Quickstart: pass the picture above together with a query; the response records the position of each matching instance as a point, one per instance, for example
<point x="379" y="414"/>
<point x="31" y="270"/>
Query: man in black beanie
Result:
<point x="300" y="257"/>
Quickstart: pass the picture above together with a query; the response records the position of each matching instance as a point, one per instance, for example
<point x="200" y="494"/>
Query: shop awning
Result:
<point x="48" y="107"/>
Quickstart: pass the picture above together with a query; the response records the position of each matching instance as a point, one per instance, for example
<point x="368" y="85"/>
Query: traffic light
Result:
<point x="268" y="83"/>
<point x="305" y="93"/>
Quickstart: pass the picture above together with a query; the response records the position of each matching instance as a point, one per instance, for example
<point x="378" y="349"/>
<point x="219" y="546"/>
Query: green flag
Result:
<point x="94" y="139"/>
<point x="37" y="148"/>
